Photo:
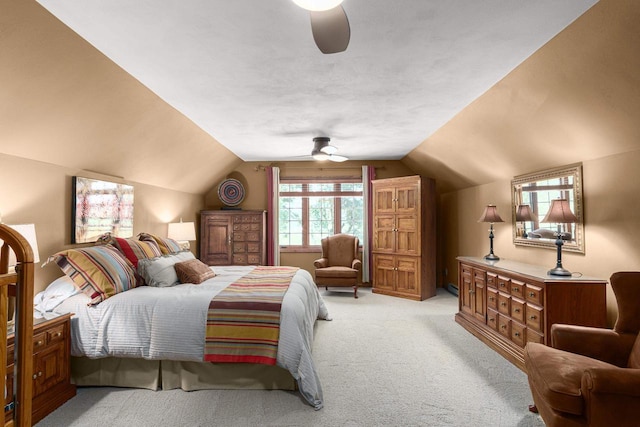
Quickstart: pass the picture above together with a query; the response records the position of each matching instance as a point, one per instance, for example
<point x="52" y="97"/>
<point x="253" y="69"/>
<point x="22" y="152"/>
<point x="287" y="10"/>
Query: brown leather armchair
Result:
<point x="339" y="265"/>
<point x="591" y="376"/>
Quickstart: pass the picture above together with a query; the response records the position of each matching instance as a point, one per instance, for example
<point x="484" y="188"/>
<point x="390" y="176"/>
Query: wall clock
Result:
<point x="231" y="192"/>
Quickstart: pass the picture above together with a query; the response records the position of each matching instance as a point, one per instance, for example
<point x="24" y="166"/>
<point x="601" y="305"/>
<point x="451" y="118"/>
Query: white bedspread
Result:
<point x="169" y="324"/>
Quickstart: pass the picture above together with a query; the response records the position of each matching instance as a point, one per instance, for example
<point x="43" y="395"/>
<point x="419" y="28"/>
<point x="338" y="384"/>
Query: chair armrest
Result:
<point x="618" y="381"/>
<point x="356" y="264"/>
<point x="611" y="395"/>
<point x="606" y="345"/>
<point x="321" y="263"/>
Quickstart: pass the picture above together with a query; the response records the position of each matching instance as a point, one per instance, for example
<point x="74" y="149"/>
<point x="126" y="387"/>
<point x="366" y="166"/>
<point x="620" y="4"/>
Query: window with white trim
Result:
<point x="311" y="209"/>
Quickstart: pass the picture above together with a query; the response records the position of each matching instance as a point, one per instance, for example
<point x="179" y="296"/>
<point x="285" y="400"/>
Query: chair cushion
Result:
<point x="337" y="272"/>
<point x="557" y="375"/>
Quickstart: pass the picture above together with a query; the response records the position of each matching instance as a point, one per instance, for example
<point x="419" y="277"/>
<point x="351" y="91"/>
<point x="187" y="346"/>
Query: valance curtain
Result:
<point x="368" y="175"/>
<point x="273" y="193"/>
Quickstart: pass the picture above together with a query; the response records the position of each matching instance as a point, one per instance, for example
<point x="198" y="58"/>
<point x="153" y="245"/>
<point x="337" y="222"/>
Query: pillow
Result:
<point x="167" y="246"/>
<point x="193" y="271"/>
<point x="99" y="271"/>
<point x="134" y="250"/>
<point x="59" y="290"/>
<point x="159" y="271"/>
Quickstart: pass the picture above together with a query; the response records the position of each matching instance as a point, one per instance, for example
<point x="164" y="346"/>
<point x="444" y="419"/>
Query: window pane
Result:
<point x="321" y="187"/>
<point x="320" y="218"/>
<point x="290" y="220"/>
<point x="352" y="212"/>
<point x="351" y="186"/>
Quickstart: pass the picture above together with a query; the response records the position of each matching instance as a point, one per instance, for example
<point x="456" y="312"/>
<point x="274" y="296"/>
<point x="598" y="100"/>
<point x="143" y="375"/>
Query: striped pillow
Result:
<point x="98" y="271"/>
<point x="167" y="246"/>
<point x="134" y="250"/>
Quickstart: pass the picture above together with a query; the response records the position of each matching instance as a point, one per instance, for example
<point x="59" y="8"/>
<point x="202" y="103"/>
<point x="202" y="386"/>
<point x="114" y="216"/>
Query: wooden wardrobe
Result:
<point x="404" y="237"/>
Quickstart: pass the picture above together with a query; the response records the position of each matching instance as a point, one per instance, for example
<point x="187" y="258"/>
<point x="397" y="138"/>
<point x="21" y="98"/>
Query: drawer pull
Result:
<point x="516" y="289"/>
<point x="517" y="334"/>
<point x="533" y="317"/>
<point x="491" y="298"/>
<point x="503" y="326"/>
<point x="57" y="334"/>
<point x="517" y="310"/>
<point x="503" y="303"/>
<point x="492" y="320"/>
<point x="502" y="285"/>
<point x="532" y="294"/>
<point x="39" y="342"/>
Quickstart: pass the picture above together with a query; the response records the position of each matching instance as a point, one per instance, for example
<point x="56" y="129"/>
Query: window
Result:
<point x="311" y="209"/>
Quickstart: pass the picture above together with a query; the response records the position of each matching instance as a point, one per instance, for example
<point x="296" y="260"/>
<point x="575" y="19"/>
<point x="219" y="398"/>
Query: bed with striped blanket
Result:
<point x="169" y="324"/>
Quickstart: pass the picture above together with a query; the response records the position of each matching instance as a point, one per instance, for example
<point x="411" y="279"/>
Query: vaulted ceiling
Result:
<point x="249" y="74"/>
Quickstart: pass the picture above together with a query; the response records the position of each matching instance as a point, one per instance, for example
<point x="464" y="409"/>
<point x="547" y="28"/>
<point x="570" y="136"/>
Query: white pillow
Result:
<point x="57" y="291"/>
<point x="160" y="271"/>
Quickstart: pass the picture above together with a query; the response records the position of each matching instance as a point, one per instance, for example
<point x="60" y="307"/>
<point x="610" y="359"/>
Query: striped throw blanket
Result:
<point x="243" y="322"/>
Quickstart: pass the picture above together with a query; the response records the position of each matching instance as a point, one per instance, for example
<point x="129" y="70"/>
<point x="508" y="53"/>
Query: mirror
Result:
<point x="537" y="190"/>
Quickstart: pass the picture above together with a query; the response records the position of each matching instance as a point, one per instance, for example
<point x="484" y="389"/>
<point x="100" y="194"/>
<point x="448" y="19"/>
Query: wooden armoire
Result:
<point x="233" y="237"/>
<point x="404" y="237"/>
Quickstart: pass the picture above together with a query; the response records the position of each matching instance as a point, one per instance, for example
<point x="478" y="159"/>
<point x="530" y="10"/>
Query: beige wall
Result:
<point x="612" y="223"/>
<point x="40" y="193"/>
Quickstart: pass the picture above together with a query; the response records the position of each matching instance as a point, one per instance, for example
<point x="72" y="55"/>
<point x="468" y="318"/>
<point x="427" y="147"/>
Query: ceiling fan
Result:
<point x="323" y="151"/>
<point x="329" y="24"/>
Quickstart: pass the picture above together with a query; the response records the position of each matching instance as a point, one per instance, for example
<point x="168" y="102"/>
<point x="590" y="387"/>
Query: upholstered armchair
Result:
<point x="591" y="376"/>
<point x="339" y="265"/>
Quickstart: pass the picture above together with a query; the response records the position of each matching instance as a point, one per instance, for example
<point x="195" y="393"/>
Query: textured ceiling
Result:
<point x="249" y="74"/>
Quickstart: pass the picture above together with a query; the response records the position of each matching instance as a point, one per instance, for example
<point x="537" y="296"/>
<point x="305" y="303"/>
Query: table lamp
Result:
<point x="560" y="213"/>
<point x="490" y="215"/>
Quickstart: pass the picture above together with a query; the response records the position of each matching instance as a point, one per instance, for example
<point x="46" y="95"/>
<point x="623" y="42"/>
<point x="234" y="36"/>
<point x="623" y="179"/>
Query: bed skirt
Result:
<point x="169" y="374"/>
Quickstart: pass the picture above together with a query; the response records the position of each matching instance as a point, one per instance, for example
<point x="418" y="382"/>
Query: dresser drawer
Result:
<point x="518" y="332"/>
<point x="492" y="280"/>
<point x="504" y="284"/>
<point x="504" y="326"/>
<point x="535" y="317"/>
<point x="517" y="288"/>
<point x="492" y="319"/>
<point x="492" y="298"/>
<point x="504" y="305"/>
<point x="533" y="336"/>
<point x="517" y="310"/>
<point x="534" y="294"/>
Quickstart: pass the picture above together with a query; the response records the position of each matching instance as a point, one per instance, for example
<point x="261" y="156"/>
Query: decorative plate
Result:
<point x="231" y="192"/>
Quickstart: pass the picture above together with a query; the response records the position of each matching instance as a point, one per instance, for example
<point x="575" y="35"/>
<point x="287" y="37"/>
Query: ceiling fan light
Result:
<point x="329" y="149"/>
<point x="319" y="155"/>
<point x="317" y="5"/>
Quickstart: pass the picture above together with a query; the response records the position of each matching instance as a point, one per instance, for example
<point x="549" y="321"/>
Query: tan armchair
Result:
<point x="591" y="376"/>
<point x="339" y="265"/>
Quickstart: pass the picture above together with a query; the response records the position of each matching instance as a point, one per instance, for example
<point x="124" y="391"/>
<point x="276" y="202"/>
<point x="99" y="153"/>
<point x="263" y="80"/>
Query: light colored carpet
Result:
<point x="383" y="361"/>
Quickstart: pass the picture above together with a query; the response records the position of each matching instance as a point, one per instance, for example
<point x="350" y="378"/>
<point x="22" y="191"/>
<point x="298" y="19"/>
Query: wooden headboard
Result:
<point x="22" y="279"/>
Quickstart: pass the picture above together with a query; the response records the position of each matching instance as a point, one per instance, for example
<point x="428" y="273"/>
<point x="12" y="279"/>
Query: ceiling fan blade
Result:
<point x="331" y="30"/>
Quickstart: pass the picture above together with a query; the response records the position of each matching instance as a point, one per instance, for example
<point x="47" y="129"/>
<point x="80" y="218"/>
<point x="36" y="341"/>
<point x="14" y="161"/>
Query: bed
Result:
<point x="153" y="337"/>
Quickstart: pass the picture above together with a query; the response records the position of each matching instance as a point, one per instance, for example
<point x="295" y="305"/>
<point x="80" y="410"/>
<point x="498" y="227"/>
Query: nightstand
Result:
<point x="51" y="372"/>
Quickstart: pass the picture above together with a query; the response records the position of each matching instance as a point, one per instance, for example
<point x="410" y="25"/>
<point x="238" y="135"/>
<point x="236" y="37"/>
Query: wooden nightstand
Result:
<point x="51" y="373"/>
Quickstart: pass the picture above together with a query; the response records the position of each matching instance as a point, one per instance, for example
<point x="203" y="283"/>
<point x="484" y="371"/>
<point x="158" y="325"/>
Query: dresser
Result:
<point x="507" y="304"/>
<point x="51" y="370"/>
<point x="233" y="237"/>
<point x="404" y="239"/>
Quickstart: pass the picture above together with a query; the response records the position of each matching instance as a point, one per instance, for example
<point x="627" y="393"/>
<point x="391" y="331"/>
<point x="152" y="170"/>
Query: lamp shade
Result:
<point x="182" y="231"/>
<point x="490" y="214"/>
<point x="524" y="213"/>
<point x="28" y="231"/>
<point x="560" y="212"/>
<point x="317" y="5"/>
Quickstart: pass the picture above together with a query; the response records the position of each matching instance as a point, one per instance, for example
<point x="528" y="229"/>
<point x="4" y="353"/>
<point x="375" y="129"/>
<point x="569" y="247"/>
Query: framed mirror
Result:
<point x="531" y="199"/>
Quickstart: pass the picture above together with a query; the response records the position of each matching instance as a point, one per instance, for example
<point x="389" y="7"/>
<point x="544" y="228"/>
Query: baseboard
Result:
<point x="452" y="288"/>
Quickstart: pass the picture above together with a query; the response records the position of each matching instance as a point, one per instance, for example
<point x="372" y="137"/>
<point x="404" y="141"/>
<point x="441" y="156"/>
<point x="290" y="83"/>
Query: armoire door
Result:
<point x="216" y="245"/>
